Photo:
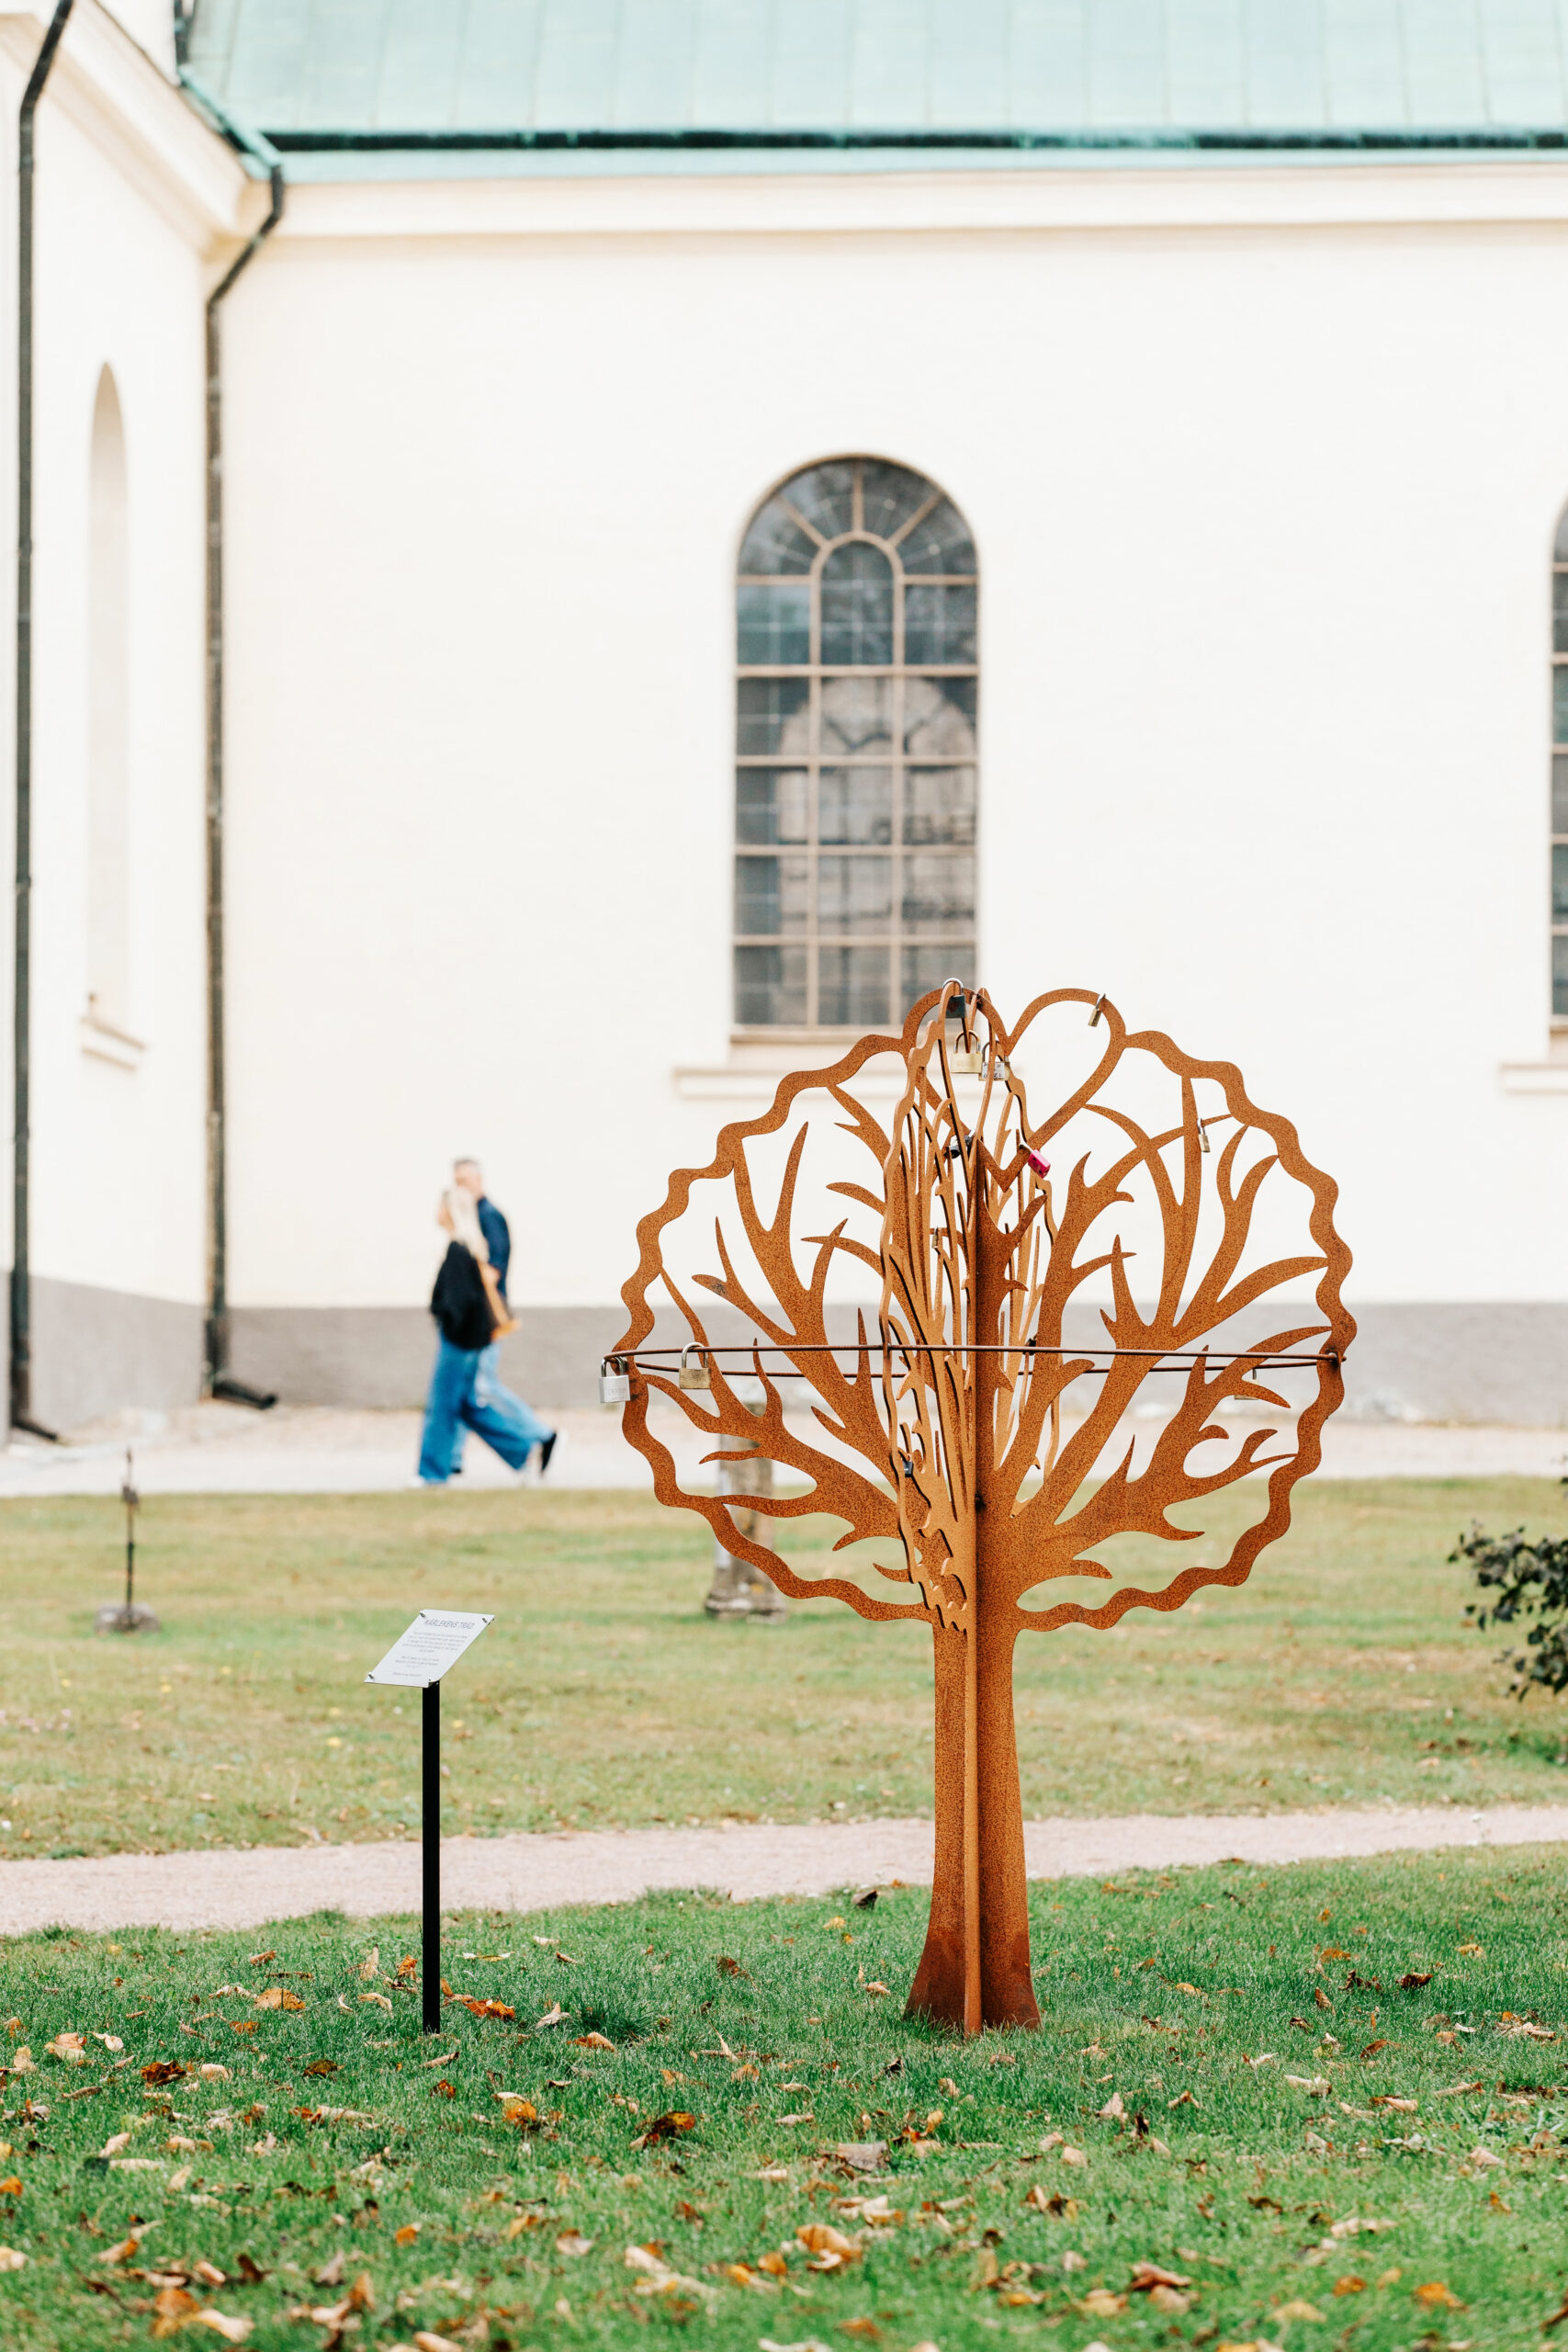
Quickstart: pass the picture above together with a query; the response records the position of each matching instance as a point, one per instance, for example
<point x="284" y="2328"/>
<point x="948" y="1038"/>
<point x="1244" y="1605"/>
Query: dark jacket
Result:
<point x="459" y="1301"/>
<point x="497" y="1241"/>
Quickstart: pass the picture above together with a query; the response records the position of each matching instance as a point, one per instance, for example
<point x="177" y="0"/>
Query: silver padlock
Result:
<point x="695" y="1376"/>
<point x="614" y="1383"/>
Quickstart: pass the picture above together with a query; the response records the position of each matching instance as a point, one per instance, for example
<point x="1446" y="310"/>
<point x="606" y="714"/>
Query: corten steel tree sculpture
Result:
<point x="971" y="1433"/>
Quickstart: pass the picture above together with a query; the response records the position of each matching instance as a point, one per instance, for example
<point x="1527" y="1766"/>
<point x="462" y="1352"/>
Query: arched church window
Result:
<point x="855" y="749"/>
<point x="109" y="678"/>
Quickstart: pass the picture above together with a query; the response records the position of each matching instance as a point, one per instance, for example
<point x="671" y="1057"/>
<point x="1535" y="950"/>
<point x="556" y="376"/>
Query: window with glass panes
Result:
<point x="1560" y="772"/>
<point x="855" y="749"/>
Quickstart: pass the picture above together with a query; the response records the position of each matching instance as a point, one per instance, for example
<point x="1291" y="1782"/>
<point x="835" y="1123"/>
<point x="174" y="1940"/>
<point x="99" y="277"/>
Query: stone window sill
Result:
<point x="757" y="1059"/>
<point x="104" y="1043"/>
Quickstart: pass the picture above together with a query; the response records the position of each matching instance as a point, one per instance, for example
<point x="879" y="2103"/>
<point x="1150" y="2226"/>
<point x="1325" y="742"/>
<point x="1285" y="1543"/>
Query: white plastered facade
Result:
<point x="1263" y="465"/>
<point x="134" y="203"/>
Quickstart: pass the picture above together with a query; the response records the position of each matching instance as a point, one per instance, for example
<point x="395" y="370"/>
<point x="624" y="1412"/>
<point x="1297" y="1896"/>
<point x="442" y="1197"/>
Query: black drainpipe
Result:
<point x="219" y="1380"/>
<point x="21" y="996"/>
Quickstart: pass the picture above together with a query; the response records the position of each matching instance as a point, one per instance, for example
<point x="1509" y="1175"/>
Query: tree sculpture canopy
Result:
<point x="1018" y="1325"/>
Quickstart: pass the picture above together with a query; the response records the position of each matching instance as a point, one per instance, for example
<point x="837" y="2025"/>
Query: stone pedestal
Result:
<point x="738" y="1589"/>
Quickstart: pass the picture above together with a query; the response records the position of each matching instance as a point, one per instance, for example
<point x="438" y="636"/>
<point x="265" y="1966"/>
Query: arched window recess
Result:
<point x="856" y="786"/>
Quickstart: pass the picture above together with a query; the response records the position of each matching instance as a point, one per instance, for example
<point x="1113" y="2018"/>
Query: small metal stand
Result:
<point x="416" y="1661"/>
<point x="738" y="1587"/>
<point x="128" y="1616"/>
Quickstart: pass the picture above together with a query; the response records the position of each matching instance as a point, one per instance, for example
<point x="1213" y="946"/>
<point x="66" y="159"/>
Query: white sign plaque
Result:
<point x="435" y="1642"/>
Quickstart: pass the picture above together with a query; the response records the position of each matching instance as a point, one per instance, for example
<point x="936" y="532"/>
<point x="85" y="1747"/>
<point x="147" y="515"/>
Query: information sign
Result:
<point x="435" y="1642"/>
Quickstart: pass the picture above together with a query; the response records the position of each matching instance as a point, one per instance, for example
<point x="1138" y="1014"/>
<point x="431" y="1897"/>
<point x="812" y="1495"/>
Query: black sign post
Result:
<point x="416" y="1661"/>
<point x="429" y="1831"/>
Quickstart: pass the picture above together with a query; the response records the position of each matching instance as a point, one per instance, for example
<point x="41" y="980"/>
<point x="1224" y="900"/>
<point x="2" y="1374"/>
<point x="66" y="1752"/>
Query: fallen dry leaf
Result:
<point x="370" y="1966"/>
<point x="554" y="2014"/>
<point x="11" y="2186"/>
<point x="1433" y="2295"/>
<point x="379" y="1998"/>
<point x="483" y="2008"/>
<point x="828" y="2248"/>
<point x="665" y="2127"/>
<point x="323" y="2066"/>
<point x="875" y="2210"/>
<point x="1350" y="2285"/>
<point x="1413" y="1980"/>
<point x="1472" y="1952"/>
<point x="109" y="2041"/>
<point x="11" y="2259"/>
<point x="1074" y="2156"/>
<point x="212" y="2073"/>
<point x="425" y="2340"/>
<point x="1100" y="2303"/>
<point x="277" y="1996"/>
<point x="592" y="2041"/>
<point x="521" y="2113"/>
<point x="1317" y="2085"/>
<point x="230" y="2326"/>
<point x="1148" y="2274"/>
<point x="1400" y="2106"/>
<point x="573" y="2243"/>
<point x="1298" y="2309"/>
<point x="171" y="2308"/>
<point x="163" y="2070"/>
<point x="406" y="2235"/>
<point x="1114" y="2110"/>
<point x="862" y="2155"/>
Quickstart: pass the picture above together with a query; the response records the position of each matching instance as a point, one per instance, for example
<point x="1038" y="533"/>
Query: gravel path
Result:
<point x="228" y="1889"/>
<point x="296" y="1449"/>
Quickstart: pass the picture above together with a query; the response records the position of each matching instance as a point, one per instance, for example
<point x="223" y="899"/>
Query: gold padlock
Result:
<point x="968" y="1062"/>
<point x="695" y="1376"/>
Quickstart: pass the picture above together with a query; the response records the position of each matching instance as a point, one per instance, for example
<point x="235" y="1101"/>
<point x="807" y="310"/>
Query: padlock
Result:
<point x="695" y="1376"/>
<point x="967" y="1062"/>
<point x="615" y="1385"/>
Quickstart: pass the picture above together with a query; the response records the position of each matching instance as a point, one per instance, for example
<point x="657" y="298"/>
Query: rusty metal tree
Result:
<point x="971" y="1427"/>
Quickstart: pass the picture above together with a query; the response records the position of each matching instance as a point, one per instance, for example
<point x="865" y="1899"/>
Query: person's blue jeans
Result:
<point x="490" y="1391"/>
<point x="454" y="1404"/>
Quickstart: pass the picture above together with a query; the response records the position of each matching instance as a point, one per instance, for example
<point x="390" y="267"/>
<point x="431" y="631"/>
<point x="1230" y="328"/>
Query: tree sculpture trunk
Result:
<point x="1006" y="1985"/>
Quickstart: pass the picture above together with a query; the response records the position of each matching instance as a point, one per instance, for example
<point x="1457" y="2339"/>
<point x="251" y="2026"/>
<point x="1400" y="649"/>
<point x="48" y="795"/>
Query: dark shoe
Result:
<point x="547" y="1448"/>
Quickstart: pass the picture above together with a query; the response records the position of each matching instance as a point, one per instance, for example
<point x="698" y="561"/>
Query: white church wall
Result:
<point x="1264" y="517"/>
<point x="117" y="1123"/>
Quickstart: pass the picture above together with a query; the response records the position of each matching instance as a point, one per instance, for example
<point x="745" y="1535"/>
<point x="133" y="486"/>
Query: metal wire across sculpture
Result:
<point x="926" y="1283"/>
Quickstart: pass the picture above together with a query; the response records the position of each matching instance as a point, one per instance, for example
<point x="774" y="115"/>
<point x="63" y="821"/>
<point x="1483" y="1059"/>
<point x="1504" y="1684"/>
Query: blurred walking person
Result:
<point x="468" y="1177"/>
<point x="466" y="1306"/>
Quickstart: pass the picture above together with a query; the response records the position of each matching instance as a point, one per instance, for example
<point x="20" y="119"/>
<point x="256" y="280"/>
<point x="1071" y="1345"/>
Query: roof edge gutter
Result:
<point x="1481" y="140"/>
<point x="262" y="160"/>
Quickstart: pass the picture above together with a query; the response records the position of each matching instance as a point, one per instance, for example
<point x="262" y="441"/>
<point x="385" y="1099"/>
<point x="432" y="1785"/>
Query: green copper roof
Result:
<point x="1237" y="73"/>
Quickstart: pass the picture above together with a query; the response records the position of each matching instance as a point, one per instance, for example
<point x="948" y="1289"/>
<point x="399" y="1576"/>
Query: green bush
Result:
<point x="1520" y="1579"/>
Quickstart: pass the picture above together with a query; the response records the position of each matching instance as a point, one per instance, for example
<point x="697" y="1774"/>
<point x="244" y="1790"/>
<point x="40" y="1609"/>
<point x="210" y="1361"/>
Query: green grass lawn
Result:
<point x="1407" y="2188"/>
<point x="1344" y="1673"/>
